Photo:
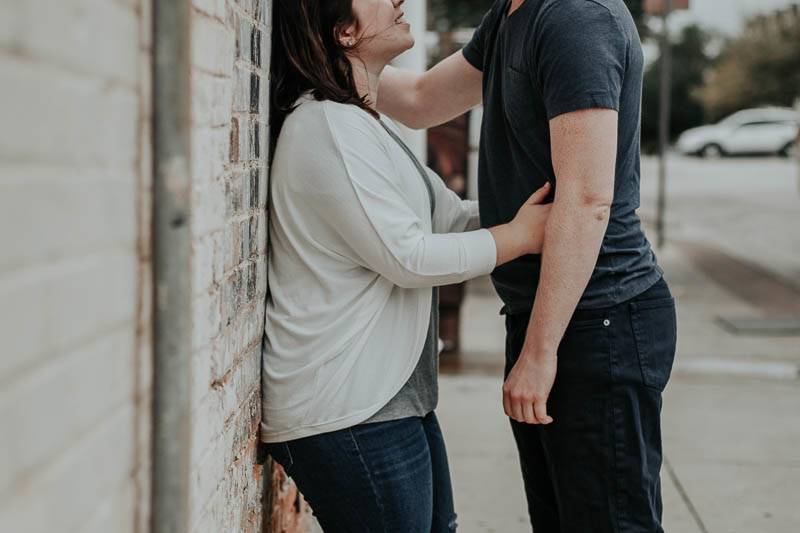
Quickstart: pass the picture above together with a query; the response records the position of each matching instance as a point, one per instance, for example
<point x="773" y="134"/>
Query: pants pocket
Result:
<point x="584" y="355"/>
<point x="654" y="325"/>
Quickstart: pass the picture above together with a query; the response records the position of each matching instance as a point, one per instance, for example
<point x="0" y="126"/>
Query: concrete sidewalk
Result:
<point x="731" y="419"/>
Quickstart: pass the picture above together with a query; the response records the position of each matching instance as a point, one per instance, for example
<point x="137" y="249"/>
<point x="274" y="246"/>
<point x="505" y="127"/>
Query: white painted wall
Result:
<point x="74" y="270"/>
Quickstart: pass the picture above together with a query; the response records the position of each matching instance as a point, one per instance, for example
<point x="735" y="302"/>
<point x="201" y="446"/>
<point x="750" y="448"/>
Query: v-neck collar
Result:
<point x="506" y="14"/>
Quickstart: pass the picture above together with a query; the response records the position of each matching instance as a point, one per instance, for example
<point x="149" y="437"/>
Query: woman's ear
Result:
<point x="346" y="35"/>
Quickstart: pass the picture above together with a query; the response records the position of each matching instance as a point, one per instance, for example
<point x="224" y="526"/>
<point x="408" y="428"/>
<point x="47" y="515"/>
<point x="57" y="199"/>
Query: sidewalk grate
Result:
<point x="750" y="282"/>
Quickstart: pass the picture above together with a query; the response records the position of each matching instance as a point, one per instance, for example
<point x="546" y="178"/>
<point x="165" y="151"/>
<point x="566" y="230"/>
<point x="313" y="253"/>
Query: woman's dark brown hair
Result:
<point x="308" y="55"/>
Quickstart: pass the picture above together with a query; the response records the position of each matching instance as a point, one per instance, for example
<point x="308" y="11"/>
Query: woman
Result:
<point x="360" y="235"/>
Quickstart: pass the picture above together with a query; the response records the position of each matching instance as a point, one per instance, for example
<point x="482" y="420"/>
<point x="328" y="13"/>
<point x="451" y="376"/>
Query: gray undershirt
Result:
<point x="420" y="394"/>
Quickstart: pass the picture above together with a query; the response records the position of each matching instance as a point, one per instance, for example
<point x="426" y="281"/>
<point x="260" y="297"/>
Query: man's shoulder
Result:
<point x="575" y="12"/>
<point x="584" y="20"/>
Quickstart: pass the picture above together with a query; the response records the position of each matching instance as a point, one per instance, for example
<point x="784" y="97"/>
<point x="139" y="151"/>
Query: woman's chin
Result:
<point x="408" y="44"/>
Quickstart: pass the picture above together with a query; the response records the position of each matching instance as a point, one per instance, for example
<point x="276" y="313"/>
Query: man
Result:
<point x="590" y="323"/>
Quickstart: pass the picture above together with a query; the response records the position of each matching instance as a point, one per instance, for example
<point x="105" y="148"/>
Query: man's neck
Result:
<point x="515" y="4"/>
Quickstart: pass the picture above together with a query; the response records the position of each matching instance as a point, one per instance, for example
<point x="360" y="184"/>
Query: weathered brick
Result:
<point x="211" y="100"/>
<point x="243" y="45"/>
<point x="88" y="122"/>
<point x="115" y="512"/>
<point x="212" y="45"/>
<point x="68" y="34"/>
<point x="52" y="308"/>
<point x="50" y="212"/>
<point x="52" y="496"/>
<point x="241" y="90"/>
<point x="214" y="8"/>
<point x="78" y="404"/>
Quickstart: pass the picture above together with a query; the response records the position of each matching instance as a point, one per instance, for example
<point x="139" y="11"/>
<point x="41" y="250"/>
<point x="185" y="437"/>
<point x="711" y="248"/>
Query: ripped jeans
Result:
<point x="374" y="478"/>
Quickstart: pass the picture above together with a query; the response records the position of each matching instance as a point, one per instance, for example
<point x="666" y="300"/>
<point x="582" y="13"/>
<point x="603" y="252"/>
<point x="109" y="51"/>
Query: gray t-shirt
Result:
<point x="548" y="58"/>
<point x="420" y="394"/>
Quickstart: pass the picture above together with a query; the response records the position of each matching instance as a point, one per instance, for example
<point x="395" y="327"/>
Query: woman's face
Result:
<point x="381" y="30"/>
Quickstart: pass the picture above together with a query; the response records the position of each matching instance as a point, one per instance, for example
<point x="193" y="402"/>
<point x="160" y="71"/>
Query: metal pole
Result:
<point x="664" y="123"/>
<point x="171" y="266"/>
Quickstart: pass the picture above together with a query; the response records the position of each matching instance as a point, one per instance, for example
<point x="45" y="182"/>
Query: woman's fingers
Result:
<point x="540" y="195"/>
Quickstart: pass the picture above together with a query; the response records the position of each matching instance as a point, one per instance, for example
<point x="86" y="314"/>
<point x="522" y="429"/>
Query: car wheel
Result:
<point x="790" y="150"/>
<point x="711" y="151"/>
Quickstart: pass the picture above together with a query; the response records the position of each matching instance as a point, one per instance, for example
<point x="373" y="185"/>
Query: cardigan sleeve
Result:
<point x="353" y="187"/>
<point x="452" y="213"/>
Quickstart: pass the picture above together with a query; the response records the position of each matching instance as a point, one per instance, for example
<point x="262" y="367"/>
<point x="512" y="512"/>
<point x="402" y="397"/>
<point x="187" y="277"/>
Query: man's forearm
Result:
<point x="572" y="243"/>
<point x="448" y="90"/>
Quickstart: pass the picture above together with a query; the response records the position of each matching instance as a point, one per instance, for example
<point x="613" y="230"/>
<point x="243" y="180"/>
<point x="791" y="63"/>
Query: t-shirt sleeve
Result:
<point x="579" y="58"/>
<point x="474" y="50"/>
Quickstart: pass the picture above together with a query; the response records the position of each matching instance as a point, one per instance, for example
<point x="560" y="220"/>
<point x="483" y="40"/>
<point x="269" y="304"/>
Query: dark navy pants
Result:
<point x="374" y="478"/>
<point x="596" y="468"/>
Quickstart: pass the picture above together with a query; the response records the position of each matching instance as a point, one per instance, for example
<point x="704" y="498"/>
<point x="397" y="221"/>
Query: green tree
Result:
<point x="690" y="61"/>
<point x="761" y="67"/>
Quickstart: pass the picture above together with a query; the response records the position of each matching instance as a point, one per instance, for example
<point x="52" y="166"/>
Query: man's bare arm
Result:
<point x="584" y="150"/>
<point x="449" y="89"/>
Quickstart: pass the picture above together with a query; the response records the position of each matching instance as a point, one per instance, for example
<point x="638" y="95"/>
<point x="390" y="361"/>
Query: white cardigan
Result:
<point x="351" y="263"/>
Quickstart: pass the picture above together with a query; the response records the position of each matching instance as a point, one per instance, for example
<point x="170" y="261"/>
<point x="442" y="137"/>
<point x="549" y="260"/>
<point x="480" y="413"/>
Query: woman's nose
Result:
<point x="398" y="3"/>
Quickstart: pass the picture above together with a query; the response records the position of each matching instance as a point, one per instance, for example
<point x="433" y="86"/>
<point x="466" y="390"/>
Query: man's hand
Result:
<point x="527" y="388"/>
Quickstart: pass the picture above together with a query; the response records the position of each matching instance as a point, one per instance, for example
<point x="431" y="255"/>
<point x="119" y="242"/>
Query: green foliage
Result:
<point x="447" y="15"/>
<point x="689" y="63"/>
<point x="762" y="67"/>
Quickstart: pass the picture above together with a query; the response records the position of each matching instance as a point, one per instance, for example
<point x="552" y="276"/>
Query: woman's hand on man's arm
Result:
<point x="525" y="234"/>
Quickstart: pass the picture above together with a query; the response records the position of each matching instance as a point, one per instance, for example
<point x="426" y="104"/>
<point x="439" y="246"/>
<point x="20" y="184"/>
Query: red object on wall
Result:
<point x="448" y="149"/>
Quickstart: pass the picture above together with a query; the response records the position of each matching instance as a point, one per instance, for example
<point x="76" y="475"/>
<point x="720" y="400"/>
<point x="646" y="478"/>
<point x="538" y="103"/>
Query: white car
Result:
<point x="766" y="130"/>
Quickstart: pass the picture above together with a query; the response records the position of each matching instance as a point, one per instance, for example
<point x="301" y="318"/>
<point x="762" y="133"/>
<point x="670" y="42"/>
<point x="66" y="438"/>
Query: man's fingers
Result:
<point x="527" y="411"/>
<point x="516" y="411"/>
<point x="506" y="404"/>
<point x="540" y="408"/>
<point x="540" y="195"/>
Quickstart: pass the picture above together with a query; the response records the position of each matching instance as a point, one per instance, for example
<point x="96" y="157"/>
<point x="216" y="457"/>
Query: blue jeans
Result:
<point x="374" y="478"/>
<point x="597" y="466"/>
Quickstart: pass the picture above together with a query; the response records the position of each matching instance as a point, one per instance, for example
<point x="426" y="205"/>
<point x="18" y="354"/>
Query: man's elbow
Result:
<point x="597" y="205"/>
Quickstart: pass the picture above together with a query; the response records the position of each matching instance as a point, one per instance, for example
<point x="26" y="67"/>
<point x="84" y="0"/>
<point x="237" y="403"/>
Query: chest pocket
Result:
<point x="519" y="97"/>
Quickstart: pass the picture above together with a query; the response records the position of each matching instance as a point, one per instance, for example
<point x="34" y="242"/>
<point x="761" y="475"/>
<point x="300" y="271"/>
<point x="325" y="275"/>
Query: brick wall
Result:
<point x="75" y="278"/>
<point x="230" y="126"/>
<point x="74" y="330"/>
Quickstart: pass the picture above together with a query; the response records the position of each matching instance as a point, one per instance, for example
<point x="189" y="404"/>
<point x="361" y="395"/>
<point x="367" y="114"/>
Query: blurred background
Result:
<point x="133" y="249"/>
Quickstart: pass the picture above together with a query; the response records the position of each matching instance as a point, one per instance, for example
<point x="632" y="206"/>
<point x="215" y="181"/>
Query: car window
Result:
<point x="761" y="123"/>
